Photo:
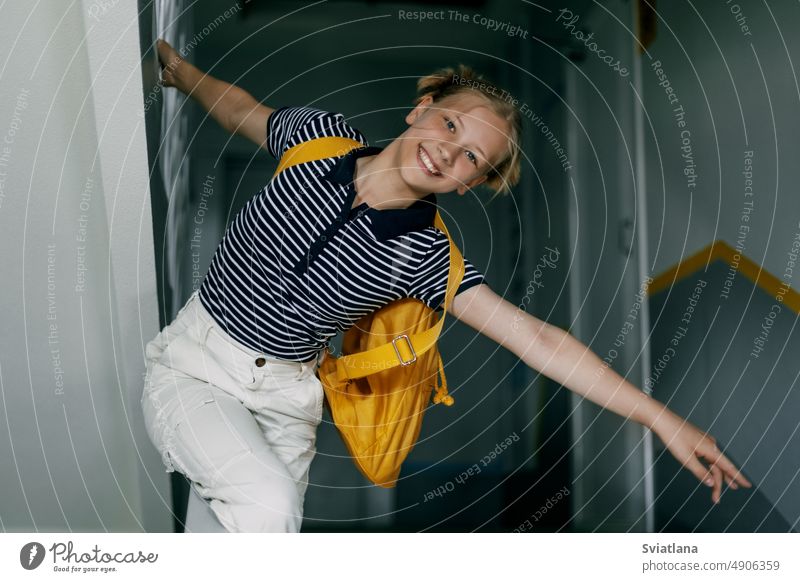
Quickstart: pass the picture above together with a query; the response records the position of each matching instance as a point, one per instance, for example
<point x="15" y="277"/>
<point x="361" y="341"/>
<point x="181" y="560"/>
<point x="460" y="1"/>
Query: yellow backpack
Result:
<point x="379" y="389"/>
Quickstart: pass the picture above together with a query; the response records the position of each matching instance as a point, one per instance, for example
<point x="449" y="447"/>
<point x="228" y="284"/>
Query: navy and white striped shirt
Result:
<point x="296" y="265"/>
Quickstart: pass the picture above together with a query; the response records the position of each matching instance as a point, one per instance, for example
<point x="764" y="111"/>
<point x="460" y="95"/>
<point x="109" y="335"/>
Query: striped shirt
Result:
<point x="297" y="265"/>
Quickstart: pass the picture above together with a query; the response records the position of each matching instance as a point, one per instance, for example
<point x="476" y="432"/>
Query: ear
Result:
<point x="419" y="109"/>
<point x="471" y="184"/>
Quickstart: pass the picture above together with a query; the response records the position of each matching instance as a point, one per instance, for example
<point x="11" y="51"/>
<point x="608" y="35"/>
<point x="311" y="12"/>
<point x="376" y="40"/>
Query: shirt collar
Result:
<point x="388" y="223"/>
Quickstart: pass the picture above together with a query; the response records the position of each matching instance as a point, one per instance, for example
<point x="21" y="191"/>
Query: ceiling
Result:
<point x="379" y="19"/>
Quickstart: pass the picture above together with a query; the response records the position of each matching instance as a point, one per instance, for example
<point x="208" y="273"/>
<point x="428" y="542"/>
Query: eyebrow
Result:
<point x="476" y="147"/>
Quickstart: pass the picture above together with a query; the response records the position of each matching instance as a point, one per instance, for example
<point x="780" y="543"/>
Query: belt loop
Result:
<point x="302" y="371"/>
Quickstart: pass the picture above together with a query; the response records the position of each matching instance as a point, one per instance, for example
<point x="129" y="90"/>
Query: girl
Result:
<point x="231" y="398"/>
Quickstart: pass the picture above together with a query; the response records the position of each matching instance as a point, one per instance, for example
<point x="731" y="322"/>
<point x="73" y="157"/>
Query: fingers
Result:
<point x="163" y="45"/>
<point x="717" y="489"/>
<point x="699" y="471"/>
<point x="729" y="469"/>
<point x="720" y="469"/>
<point x="169" y="60"/>
<point x="735" y="476"/>
<point x="162" y="53"/>
<point x="167" y="56"/>
<point x="739" y="479"/>
<point x="734" y="473"/>
<point x="161" y="49"/>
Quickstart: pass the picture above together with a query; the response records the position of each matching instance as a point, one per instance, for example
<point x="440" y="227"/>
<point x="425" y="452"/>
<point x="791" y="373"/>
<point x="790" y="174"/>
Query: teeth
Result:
<point x="427" y="161"/>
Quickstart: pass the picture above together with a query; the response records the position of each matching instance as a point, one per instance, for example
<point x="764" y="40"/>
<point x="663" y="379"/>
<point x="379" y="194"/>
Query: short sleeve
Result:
<point x="288" y="126"/>
<point x="430" y="279"/>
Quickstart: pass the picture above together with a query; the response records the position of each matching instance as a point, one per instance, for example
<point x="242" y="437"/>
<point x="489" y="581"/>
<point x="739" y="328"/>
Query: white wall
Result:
<point x="79" y="297"/>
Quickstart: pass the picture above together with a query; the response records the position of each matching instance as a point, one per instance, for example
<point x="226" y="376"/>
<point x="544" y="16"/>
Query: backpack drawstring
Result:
<point x="441" y="395"/>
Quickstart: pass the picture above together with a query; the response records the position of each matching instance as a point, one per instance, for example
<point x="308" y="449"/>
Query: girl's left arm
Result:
<point x="560" y="356"/>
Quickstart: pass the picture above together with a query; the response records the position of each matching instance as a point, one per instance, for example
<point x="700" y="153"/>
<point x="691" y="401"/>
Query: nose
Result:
<point x="447" y="151"/>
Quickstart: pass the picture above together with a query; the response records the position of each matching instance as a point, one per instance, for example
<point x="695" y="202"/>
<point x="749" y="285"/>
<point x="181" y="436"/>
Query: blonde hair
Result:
<point x="448" y="82"/>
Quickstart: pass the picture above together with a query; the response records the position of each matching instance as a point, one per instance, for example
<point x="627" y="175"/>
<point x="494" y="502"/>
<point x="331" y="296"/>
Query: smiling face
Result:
<point x="452" y="144"/>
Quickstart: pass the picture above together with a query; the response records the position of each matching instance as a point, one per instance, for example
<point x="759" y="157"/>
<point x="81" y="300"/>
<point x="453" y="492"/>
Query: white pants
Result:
<point x="241" y="426"/>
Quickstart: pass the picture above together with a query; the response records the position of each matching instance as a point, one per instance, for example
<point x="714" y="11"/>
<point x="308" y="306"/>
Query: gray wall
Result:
<point x="748" y="402"/>
<point x="737" y="93"/>
<point x="738" y="89"/>
<point x="740" y="93"/>
<point x="609" y="452"/>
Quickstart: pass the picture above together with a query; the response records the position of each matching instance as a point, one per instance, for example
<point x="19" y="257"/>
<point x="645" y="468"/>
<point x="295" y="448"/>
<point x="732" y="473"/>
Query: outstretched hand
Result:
<point x="689" y="444"/>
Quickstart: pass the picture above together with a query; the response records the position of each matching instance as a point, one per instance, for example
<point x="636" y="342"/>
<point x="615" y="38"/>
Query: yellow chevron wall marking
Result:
<point x="720" y="250"/>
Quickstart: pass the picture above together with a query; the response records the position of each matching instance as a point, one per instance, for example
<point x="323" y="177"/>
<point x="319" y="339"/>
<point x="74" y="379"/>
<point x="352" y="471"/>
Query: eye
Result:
<point x="472" y="157"/>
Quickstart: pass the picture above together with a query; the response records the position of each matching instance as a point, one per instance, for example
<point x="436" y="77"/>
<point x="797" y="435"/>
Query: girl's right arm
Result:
<point x="232" y="107"/>
<point x="560" y="356"/>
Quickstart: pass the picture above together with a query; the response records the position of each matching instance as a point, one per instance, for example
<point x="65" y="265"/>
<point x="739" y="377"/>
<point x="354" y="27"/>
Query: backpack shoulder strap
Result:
<point x="397" y="352"/>
<point x="316" y="149"/>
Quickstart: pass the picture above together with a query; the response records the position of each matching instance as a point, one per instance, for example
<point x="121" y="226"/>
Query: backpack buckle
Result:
<point x="410" y="347"/>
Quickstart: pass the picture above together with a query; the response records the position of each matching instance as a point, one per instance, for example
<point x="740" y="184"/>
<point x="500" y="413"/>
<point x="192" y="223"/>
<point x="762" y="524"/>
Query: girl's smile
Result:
<point x="425" y="162"/>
